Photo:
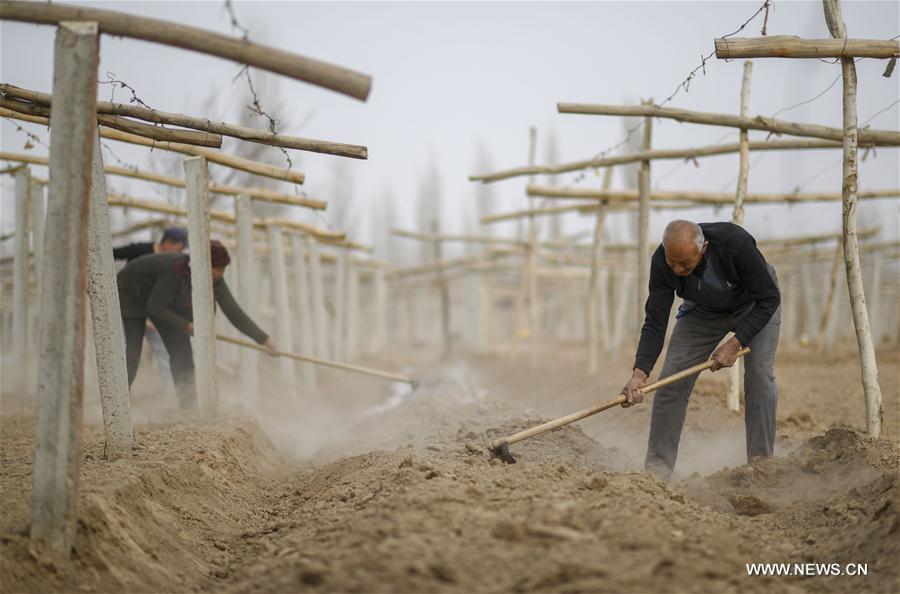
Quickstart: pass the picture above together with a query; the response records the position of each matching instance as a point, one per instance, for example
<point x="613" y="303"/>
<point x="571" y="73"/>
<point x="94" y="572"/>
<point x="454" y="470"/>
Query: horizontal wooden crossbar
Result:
<point x="789" y="46"/>
<point x="875" y="137"/>
<point x="203" y="124"/>
<point x="698" y="198"/>
<point x="242" y="51"/>
<point x="177" y="182"/>
<point x="655" y="155"/>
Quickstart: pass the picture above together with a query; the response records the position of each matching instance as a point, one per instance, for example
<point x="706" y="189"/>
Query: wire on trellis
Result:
<point x="32" y="138"/>
<point x="800" y="187"/>
<point x="823" y="91"/>
<point x="131" y="167"/>
<point x="691" y="160"/>
<point x="683" y="85"/>
<point x="229" y="8"/>
<point x="864" y="125"/>
<point x="255" y="106"/>
<point x="122" y="163"/>
<point x="780" y="111"/>
<point x="116" y="83"/>
<point x="686" y="83"/>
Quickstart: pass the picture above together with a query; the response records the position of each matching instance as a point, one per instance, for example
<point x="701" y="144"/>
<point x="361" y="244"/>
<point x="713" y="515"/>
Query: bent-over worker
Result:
<point x="158" y="287"/>
<point x="174" y="240"/>
<point x="727" y="286"/>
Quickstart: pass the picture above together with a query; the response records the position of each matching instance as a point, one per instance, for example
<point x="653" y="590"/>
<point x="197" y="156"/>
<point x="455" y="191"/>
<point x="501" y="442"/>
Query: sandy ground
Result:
<point x="366" y="488"/>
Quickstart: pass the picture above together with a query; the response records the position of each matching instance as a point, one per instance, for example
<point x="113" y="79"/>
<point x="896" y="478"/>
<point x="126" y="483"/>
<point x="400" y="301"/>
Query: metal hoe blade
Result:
<point x="502" y="452"/>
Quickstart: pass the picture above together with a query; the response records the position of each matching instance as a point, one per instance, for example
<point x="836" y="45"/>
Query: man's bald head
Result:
<point x="684" y="245"/>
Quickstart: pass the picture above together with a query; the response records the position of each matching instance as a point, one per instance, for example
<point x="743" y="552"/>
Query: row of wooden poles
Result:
<point x="74" y="258"/>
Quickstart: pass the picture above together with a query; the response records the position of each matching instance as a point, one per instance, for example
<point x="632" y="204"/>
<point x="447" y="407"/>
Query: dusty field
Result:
<point x="362" y="490"/>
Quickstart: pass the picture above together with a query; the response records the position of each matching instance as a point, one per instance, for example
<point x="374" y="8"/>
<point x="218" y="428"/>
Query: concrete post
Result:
<point x="196" y="189"/>
<point x="379" y="344"/>
<point x="303" y="299"/>
<point x="36" y="223"/>
<point x="471" y="309"/>
<point x="60" y="384"/>
<point x="106" y="318"/>
<point x="20" y="287"/>
<point x="247" y="291"/>
<point x="352" y="305"/>
<point x="340" y="284"/>
<point x="320" y="316"/>
<point x="278" y="273"/>
<point x="486" y="317"/>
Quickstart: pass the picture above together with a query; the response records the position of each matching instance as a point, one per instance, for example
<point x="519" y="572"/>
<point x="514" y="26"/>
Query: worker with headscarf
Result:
<point x="158" y="287"/>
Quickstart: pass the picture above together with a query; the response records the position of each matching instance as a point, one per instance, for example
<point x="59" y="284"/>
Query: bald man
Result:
<point x="727" y="286"/>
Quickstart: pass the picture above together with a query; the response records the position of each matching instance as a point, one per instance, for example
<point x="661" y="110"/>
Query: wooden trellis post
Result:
<point x="533" y="305"/>
<point x="443" y="290"/>
<point x="106" y="318"/>
<point x="196" y="178"/>
<point x="594" y="282"/>
<point x="868" y="365"/>
<point x="278" y="273"/>
<point x="303" y="300"/>
<point x="623" y="290"/>
<point x="733" y="393"/>
<point x="20" y="286"/>
<point x="591" y="313"/>
<point x="523" y="317"/>
<point x="830" y="307"/>
<point x="247" y="291"/>
<point x="60" y="385"/>
<point x="643" y="266"/>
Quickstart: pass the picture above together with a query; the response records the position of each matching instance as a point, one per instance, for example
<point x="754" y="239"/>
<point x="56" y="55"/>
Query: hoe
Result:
<point x="499" y="448"/>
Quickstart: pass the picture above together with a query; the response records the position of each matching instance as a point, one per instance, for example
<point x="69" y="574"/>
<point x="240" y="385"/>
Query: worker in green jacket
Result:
<point x="158" y="287"/>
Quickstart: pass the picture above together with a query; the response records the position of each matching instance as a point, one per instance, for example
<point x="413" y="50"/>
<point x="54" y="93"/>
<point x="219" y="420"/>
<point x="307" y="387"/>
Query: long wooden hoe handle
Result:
<point x="315" y="360"/>
<point x="577" y="416"/>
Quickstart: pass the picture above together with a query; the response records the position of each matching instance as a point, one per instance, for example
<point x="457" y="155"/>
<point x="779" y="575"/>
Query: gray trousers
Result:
<point x="693" y="340"/>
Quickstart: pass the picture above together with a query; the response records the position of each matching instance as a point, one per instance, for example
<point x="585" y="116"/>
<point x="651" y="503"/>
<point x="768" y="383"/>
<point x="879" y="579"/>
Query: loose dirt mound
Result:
<point x="435" y="423"/>
<point x="838" y="494"/>
<point x="157" y="522"/>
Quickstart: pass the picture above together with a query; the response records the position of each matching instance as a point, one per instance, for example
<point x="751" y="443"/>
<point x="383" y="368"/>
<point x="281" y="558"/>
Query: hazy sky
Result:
<point x="451" y="76"/>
